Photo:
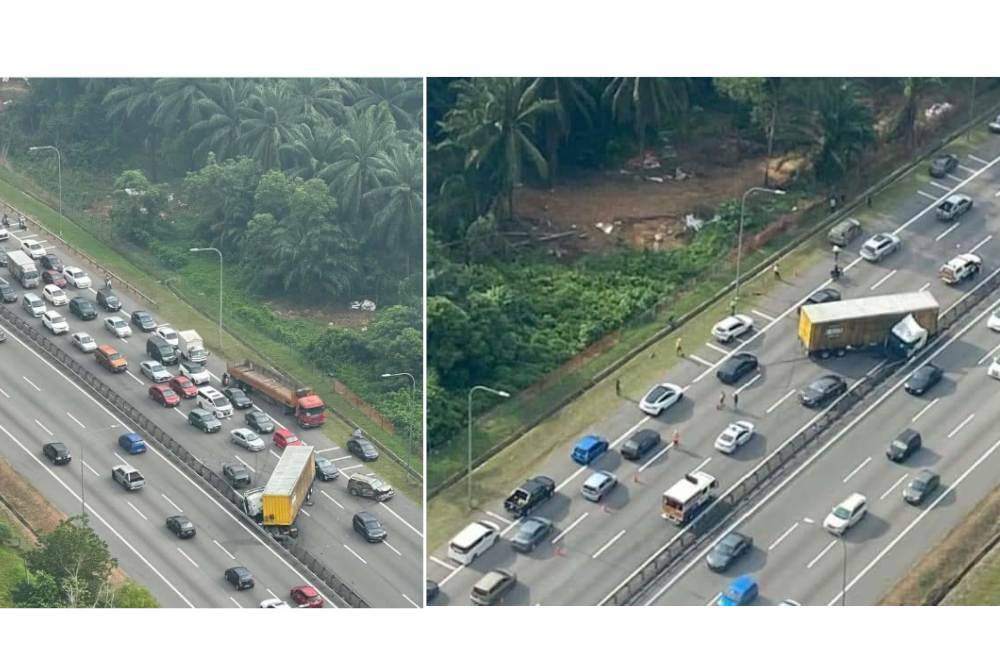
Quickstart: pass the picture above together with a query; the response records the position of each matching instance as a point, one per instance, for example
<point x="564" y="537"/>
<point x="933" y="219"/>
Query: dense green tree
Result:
<point x="226" y="193"/>
<point x="177" y="106"/>
<point x="402" y="97"/>
<point x="572" y="100"/>
<point x="78" y="560"/>
<point x="765" y="97"/>
<point x="271" y="125"/>
<point x="398" y="209"/>
<point x="40" y="590"/>
<point x="220" y="113"/>
<point x="132" y="595"/>
<point x="905" y="124"/>
<point x="840" y="127"/>
<point x="137" y="206"/>
<point x="645" y="102"/>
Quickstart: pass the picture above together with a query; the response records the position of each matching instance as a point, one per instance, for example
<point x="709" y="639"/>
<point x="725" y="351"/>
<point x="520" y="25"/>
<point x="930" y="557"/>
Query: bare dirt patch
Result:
<point x="341" y="317"/>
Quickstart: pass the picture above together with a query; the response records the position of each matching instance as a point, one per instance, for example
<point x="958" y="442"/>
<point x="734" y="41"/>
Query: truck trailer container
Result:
<point x="300" y="401"/>
<point x="277" y="504"/>
<point x="191" y="346"/>
<point x="23" y="269"/>
<point x="898" y="324"/>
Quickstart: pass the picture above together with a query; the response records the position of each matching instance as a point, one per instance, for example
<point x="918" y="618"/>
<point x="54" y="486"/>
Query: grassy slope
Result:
<point x="177" y="311"/>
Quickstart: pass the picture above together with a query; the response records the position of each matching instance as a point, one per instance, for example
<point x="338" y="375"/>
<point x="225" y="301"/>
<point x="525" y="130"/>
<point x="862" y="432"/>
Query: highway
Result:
<point x="595" y="547"/>
<point x="385" y="575"/>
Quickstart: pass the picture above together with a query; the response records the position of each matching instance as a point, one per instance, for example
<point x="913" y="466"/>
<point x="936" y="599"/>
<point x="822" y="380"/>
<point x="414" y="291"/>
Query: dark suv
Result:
<point x="369" y="486"/>
<point x="361" y="447"/>
<point x="369" y="527"/>
<point x="237" y="474"/>
<point x="204" y="420"/>
<point x="7" y="292"/>
<point x="237" y="397"/>
<point x="57" y="453"/>
<point x="108" y="300"/>
<point x="83" y="308"/>
<point x="51" y="262"/>
<point x="640" y="444"/>
<point x="143" y="320"/>
<point x="240" y="577"/>
<point x="904" y="446"/>
<point x="180" y="526"/>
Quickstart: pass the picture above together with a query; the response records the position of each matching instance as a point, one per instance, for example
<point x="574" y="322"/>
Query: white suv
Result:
<point x="76" y="277"/>
<point x="879" y="245"/>
<point x="846" y="514"/>
<point x="732" y="327"/>
<point x="55" y="322"/>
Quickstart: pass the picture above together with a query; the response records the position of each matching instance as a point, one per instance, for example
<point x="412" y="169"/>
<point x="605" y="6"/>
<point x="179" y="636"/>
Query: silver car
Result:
<point x="246" y="438"/>
<point x="155" y="372"/>
<point x="84" y="342"/>
<point x="118" y="326"/>
<point x="597" y="485"/>
<point x="879" y="246"/>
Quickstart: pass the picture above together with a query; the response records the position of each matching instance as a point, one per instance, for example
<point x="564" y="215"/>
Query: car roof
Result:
<point x="853" y="500"/>
<point x="589" y="441"/>
<point x="742" y="584"/>
<point x="597" y="477"/>
<point x="365" y="515"/>
<point x="491" y="579"/>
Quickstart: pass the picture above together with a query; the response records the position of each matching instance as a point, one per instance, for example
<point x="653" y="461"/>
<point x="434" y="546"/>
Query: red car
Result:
<point x="285" y="438"/>
<point x="53" y="277"/>
<point x="306" y="596"/>
<point x="163" y="394"/>
<point x="183" y="387"/>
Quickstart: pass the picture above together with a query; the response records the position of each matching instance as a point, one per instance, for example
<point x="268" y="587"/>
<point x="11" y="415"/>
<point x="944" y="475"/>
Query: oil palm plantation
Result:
<point x="397" y="203"/>
<point x="220" y="112"/>
<point x="572" y="101"/>
<point x="645" y="102"/>
<point x="840" y="127"/>
<point x="271" y="125"/>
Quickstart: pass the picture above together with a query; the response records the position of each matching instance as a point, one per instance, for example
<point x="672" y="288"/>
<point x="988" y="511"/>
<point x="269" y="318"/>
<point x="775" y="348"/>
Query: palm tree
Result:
<point x="134" y="102"/>
<point x="905" y="124"/>
<point x="310" y="155"/>
<point x="493" y="122"/>
<point x="397" y="218"/>
<point x="645" y="102"/>
<point x="572" y="99"/>
<point x="404" y="97"/>
<point x="178" y="104"/>
<point x="840" y="127"/>
<point x="221" y="111"/>
<point x="316" y="99"/>
<point x="270" y="125"/>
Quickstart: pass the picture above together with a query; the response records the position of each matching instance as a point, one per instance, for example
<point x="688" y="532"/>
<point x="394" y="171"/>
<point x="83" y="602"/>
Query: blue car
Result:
<point x="132" y="443"/>
<point x="741" y="591"/>
<point x="588" y="449"/>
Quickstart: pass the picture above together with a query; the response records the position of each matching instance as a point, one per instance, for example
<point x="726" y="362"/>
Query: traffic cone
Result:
<point x="635" y="478"/>
<point x="560" y="551"/>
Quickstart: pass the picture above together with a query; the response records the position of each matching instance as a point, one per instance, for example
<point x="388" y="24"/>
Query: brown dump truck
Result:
<point x="300" y="401"/>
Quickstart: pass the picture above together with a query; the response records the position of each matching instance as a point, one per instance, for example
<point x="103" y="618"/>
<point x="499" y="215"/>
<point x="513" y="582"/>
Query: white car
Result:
<point x="246" y="438"/>
<point x="33" y="248"/>
<point x="196" y="372"/>
<point x="54" y="295"/>
<point x="880" y="245"/>
<point x="732" y="327"/>
<point x="55" y="322"/>
<point x="274" y="604"/>
<point x="960" y="267"/>
<point x="734" y="436"/>
<point x="83" y="342"/>
<point x="155" y="372"/>
<point x="994" y="369"/>
<point x="846" y="514"/>
<point x="993" y="323"/>
<point x="118" y="326"/>
<point x="168" y="334"/>
<point x="660" y="397"/>
<point x="76" y="277"/>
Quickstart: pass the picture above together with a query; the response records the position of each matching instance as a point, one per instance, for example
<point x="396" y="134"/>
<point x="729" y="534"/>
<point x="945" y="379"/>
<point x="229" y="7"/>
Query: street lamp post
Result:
<point x="739" y="235"/>
<point x="413" y="398"/>
<point x="196" y="250"/>
<point x="502" y="394"/>
<point x="58" y="169"/>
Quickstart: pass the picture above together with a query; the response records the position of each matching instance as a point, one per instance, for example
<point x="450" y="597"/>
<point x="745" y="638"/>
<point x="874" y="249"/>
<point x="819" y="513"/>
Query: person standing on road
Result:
<point x="722" y="400"/>
<point x="680" y="348"/>
<point x="736" y="399"/>
<point x="618" y="387"/>
<point x="675" y="440"/>
<point x="732" y="306"/>
<point x="777" y="272"/>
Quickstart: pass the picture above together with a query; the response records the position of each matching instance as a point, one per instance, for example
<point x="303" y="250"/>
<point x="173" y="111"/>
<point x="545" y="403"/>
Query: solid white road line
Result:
<point x="180" y="412"/>
<point x="139" y="381"/>
<point x="5" y="394"/>
<point x="136" y="510"/>
<point x="937" y="185"/>
<point x="274" y="453"/>
<point x="655" y="456"/>
<point x="808" y="520"/>
<point x="235" y="603"/>
<point x="912" y="525"/>
<point x="882" y="280"/>
<point x="780" y="400"/>
<point x="976" y="248"/>
<point x="954" y="178"/>
<point x="762" y="315"/>
<point x="978" y="159"/>
<point x="273" y="594"/>
<point x="40" y="425"/>
<point x="960" y="426"/>
<point x="699" y="359"/>
<point x="924" y="287"/>
<point x="570" y="527"/>
<point x="75" y="419"/>
<point x="892" y="488"/>
<point x="946" y="231"/>
<point x="332" y="499"/>
<point x="224" y="550"/>
<point x="352" y="467"/>
<point x="741" y="389"/>
<point x="716" y="347"/>
<point x="855" y="470"/>
<point x="501" y="519"/>
<point x="323" y="451"/>
<point x="342" y="458"/>
<point x="187" y="557"/>
<point x="409" y="600"/>
<point x="248" y="466"/>
<point x="31" y="383"/>
<point x="119" y="457"/>
<point x="355" y="554"/>
<point x="783" y="536"/>
<point x="703" y="463"/>
<point x="96" y="474"/>
<point x="172" y="503"/>
<point x="988" y="355"/>
<point x="970" y="170"/>
<point x="927" y="195"/>
<point x="712" y="601"/>
<point x="921" y="412"/>
<point x="392" y="547"/>
<point x="609" y="543"/>
<point x="443" y="564"/>
<point x="305" y="512"/>
<point x="821" y="554"/>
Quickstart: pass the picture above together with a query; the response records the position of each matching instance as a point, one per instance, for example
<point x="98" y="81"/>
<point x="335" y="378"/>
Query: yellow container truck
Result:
<point x="277" y="504"/>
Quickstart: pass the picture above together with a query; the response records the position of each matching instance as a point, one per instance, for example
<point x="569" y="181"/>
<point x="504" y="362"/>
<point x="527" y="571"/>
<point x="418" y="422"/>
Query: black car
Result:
<point x="7" y="292"/>
<point x="640" y="444"/>
<point x="369" y="527"/>
<point x="180" y="526"/>
<point x="57" y="453"/>
<point x="260" y="422"/>
<point x="922" y="485"/>
<point x="144" y="320"/>
<point x="821" y="296"/>
<point x="904" y="445"/>
<point x="729" y="548"/>
<point x="530" y="532"/>
<point x="432" y="590"/>
<point x="204" y="420"/>
<point x="83" y="308"/>
<point x="51" y="262"/>
<point x="923" y="380"/>
<point x="239" y="577"/>
<point x="361" y="447"/>
<point x="823" y="390"/>
<point x="326" y="471"/>
<point x="736" y="367"/>
<point x="942" y="166"/>
<point x="108" y="300"/>
<point x="238" y="397"/>
<point x="237" y="474"/>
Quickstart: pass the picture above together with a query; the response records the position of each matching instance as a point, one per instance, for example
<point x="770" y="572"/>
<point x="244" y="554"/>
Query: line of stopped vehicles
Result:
<point x="896" y="326"/>
<point x="275" y="505"/>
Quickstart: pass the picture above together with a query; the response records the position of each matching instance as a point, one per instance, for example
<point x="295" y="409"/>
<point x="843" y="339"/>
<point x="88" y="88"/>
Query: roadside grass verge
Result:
<point x="196" y="310"/>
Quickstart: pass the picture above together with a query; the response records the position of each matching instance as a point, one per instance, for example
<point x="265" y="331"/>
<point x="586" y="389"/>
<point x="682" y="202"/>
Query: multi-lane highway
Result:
<point x="39" y="404"/>
<point x="595" y="547"/>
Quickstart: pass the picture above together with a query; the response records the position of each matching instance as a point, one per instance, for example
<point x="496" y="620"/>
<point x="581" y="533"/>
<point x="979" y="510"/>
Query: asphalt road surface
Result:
<point x="386" y="574"/>
<point x="595" y="547"/>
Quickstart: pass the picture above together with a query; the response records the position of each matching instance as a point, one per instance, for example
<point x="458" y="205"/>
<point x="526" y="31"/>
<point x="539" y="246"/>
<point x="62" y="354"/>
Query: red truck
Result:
<point x="300" y="401"/>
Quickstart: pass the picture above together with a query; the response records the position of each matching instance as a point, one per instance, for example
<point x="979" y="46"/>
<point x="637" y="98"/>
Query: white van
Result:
<point x="32" y="304"/>
<point x="474" y="540"/>
<point x="213" y="401"/>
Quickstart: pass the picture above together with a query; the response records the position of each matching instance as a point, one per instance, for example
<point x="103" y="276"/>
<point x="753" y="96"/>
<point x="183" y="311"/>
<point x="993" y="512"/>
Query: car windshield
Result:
<point x="918" y="485"/>
<point x="313" y="411"/>
<point x="658" y="394"/>
<point x="842" y="513"/>
<point x="195" y="368"/>
<point x="727" y="437"/>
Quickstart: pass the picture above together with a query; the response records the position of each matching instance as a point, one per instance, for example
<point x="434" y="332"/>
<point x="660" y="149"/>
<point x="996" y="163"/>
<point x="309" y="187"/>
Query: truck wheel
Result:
<point x="840" y="353"/>
<point x="824" y="355"/>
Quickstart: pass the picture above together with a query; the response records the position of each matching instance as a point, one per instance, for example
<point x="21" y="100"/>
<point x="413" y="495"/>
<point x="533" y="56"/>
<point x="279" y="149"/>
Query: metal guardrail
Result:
<point x="709" y="522"/>
<point x="675" y="323"/>
<point x="160" y="438"/>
